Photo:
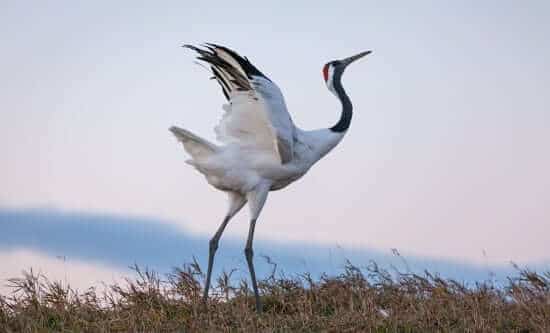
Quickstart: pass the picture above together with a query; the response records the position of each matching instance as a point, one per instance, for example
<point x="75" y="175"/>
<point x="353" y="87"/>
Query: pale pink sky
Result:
<point x="447" y="155"/>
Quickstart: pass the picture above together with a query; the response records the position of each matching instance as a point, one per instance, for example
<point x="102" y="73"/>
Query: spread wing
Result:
<point x="256" y="115"/>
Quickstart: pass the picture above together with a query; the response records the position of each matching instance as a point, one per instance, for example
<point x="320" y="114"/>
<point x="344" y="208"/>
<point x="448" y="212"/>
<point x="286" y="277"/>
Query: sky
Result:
<point x="447" y="155"/>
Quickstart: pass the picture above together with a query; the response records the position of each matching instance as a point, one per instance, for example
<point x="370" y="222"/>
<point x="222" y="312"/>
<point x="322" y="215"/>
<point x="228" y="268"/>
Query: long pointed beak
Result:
<point x="351" y="59"/>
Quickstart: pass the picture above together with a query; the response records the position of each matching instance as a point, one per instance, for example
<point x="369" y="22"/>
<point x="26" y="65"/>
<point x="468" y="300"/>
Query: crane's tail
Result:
<point x="199" y="148"/>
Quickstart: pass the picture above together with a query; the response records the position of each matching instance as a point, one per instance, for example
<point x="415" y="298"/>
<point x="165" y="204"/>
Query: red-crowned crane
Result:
<point x="262" y="149"/>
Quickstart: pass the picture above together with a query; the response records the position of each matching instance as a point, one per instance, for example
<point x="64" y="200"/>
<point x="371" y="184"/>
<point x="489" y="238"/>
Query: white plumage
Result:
<point x="262" y="150"/>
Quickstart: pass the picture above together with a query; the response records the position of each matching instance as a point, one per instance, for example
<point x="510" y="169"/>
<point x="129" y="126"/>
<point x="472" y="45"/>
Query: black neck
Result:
<point x="347" y="109"/>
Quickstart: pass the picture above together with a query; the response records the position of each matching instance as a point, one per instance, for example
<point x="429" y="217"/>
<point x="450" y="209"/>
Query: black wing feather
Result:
<point x="228" y="77"/>
<point x="247" y="66"/>
<point x="216" y="62"/>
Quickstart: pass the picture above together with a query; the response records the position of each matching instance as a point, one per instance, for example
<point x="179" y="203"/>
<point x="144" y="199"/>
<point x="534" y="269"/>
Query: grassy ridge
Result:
<point x="369" y="299"/>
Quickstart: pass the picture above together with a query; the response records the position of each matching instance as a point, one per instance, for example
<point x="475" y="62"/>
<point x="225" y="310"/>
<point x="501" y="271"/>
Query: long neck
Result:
<point x="347" y="109"/>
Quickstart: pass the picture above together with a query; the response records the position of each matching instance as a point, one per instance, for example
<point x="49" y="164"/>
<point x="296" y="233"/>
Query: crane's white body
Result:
<point x="240" y="168"/>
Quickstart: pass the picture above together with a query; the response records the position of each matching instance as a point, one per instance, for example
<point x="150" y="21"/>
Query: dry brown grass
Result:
<point x="358" y="300"/>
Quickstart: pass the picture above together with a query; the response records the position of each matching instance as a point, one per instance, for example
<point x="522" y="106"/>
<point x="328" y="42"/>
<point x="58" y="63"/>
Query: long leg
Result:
<point x="256" y="201"/>
<point x="236" y="202"/>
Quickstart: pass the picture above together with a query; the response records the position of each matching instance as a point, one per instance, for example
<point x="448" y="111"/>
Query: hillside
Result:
<point x="369" y="299"/>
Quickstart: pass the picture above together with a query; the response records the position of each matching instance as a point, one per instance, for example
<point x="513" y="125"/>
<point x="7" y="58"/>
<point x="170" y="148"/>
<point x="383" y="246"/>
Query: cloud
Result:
<point x="120" y="241"/>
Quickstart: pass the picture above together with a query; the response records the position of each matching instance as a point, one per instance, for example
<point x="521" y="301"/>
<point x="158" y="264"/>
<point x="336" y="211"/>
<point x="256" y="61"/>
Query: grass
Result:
<point x="370" y="299"/>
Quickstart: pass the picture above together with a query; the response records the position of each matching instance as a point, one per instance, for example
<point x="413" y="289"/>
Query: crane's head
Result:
<point x="333" y="70"/>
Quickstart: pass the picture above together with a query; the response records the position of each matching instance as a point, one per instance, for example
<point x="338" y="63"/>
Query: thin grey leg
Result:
<point x="256" y="201"/>
<point x="236" y="202"/>
<point x="249" y="253"/>
<point x="211" y="253"/>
